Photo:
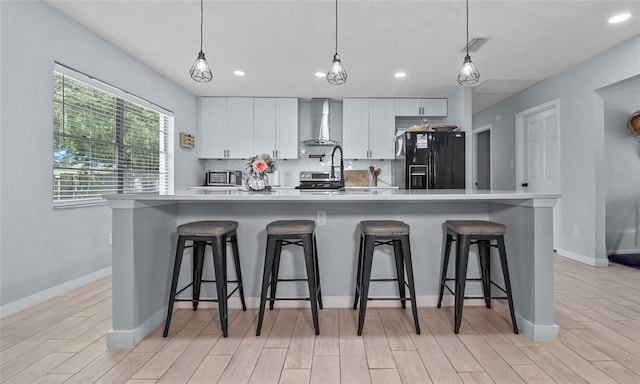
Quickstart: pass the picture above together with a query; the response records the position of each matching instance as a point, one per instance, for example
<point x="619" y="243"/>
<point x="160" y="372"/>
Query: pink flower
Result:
<point x="259" y="165"/>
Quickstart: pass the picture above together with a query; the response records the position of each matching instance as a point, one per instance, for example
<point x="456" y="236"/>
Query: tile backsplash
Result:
<point x="289" y="170"/>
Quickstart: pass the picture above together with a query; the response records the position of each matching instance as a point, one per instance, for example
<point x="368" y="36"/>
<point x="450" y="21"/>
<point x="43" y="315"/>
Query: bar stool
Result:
<point x="290" y="232"/>
<point x="384" y="232"/>
<point x="481" y="233"/>
<point x="216" y="234"/>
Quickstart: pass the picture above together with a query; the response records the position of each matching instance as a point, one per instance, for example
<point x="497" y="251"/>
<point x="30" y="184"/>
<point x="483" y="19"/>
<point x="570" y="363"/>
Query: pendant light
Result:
<point x="200" y="70"/>
<point x="337" y="74"/>
<point x="469" y="74"/>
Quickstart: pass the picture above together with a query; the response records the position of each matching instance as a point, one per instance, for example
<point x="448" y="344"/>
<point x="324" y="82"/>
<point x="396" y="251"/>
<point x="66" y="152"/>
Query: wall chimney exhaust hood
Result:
<point x="320" y="133"/>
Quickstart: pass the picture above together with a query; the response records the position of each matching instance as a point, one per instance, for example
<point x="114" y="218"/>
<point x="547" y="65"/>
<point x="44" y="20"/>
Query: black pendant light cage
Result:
<point x="200" y="70"/>
<point x="337" y="75"/>
<point x="468" y="74"/>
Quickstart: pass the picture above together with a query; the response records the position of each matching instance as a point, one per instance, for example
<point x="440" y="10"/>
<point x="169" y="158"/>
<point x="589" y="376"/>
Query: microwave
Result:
<point x="214" y="178"/>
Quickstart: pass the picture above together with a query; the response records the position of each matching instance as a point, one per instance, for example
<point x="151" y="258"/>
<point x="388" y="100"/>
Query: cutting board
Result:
<point x="356" y="178"/>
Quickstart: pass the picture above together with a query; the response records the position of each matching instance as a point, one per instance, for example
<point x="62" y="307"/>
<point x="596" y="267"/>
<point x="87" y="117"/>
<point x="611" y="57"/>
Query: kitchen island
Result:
<point x="144" y="238"/>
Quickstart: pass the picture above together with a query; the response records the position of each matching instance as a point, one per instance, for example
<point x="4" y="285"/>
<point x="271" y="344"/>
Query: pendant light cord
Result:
<point x="467" y="27"/>
<point x="336" y="27"/>
<point x="201" y="21"/>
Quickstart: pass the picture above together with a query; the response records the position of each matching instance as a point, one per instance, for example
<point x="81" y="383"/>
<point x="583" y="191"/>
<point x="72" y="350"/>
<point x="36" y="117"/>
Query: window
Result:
<point x="104" y="143"/>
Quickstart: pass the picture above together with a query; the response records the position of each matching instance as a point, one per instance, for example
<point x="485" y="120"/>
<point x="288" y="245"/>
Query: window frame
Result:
<point x="166" y="182"/>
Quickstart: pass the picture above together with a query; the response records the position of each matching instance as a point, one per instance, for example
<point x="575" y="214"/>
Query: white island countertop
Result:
<point x="373" y="194"/>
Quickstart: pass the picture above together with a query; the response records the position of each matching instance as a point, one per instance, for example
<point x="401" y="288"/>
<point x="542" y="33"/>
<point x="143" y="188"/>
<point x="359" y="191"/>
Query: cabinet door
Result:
<point x="213" y="127"/>
<point x="287" y="128"/>
<point x="381" y="128"/>
<point x="355" y="128"/>
<point x="240" y="127"/>
<point x="434" y="107"/>
<point x="264" y="126"/>
<point x="408" y="107"/>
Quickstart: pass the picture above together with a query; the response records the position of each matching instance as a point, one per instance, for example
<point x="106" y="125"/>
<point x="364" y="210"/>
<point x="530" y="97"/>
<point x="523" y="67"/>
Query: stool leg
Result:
<point x="236" y="261"/>
<point x="462" y="258"/>
<point x="485" y="269"/>
<point x="307" y="244"/>
<point x="219" y="246"/>
<point x="266" y="276"/>
<point x="274" y="273"/>
<point x="359" y="273"/>
<point x="406" y="256"/>
<point x="507" y="281"/>
<point x="367" y="261"/>
<point x="398" y="255"/>
<point x="317" y="268"/>
<point x="174" y="283"/>
<point x="445" y="266"/>
<point x="198" y="267"/>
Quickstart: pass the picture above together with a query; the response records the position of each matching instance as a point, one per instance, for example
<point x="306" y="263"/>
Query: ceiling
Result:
<point x="281" y="44"/>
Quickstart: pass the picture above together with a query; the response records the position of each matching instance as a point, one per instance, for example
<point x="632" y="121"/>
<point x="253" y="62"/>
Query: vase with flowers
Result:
<point x="259" y="166"/>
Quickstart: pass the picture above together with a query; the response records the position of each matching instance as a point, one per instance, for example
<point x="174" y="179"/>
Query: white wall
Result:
<point x="41" y="247"/>
<point x="582" y="140"/>
<point x="622" y="167"/>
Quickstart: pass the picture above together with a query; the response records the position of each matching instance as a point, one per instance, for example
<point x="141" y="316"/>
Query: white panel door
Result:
<point x="287" y="128"/>
<point x="540" y="152"/>
<point x="240" y="127"/>
<point x="408" y="107"/>
<point x="355" y="128"/>
<point x="264" y="125"/>
<point x="434" y="107"/>
<point x="213" y="128"/>
<point x="382" y="128"/>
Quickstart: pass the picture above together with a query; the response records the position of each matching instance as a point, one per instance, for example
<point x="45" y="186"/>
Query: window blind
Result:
<point x="105" y="144"/>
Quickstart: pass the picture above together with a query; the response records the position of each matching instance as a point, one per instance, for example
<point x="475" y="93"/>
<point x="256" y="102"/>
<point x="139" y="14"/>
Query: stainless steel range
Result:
<point x="319" y="180"/>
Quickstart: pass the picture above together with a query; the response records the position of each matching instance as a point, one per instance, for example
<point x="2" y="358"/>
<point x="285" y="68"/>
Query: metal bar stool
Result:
<point x="290" y="232"/>
<point x="384" y="232"/>
<point x="481" y="233"/>
<point x="216" y="234"/>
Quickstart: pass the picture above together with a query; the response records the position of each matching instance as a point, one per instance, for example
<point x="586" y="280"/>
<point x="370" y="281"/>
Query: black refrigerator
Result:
<point x="434" y="160"/>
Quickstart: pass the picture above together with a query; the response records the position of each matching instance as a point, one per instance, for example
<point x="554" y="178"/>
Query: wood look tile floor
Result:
<point x="598" y="311"/>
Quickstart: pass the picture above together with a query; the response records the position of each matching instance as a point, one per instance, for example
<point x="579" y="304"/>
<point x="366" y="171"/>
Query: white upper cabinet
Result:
<point x="421" y="107"/>
<point x="213" y="128"/>
<point x="241" y="127"/>
<point x="368" y="128"/>
<point x="275" y="129"/>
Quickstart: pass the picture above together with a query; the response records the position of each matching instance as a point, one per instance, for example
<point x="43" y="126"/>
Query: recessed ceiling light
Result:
<point x="320" y="74"/>
<point x="619" y="18"/>
<point x="400" y="74"/>
<point x="239" y="73"/>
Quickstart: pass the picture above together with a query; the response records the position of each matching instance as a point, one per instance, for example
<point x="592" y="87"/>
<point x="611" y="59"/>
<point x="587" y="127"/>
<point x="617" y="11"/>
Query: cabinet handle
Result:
<point x="277" y="154"/>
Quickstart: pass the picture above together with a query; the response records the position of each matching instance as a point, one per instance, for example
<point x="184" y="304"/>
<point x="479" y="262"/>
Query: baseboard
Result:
<point x="333" y="302"/>
<point x="623" y="252"/>
<point x="50" y="293"/>
<point x="129" y="339"/>
<point x="537" y="332"/>
<point x="582" y="258"/>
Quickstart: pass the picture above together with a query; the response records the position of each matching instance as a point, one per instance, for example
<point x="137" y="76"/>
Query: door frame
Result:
<point x="520" y="117"/>
<point x="474" y="155"/>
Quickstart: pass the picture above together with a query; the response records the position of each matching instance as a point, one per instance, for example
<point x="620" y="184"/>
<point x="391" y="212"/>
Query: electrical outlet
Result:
<point x="110" y="238"/>
<point x="576" y="230"/>
<point x="321" y="218"/>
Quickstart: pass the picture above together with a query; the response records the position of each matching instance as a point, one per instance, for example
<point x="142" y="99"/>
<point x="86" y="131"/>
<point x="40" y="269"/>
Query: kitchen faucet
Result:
<point x="333" y="175"/>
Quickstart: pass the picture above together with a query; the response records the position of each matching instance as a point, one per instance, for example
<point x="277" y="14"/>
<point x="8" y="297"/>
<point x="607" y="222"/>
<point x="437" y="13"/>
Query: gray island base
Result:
<point x="144" y="240"/>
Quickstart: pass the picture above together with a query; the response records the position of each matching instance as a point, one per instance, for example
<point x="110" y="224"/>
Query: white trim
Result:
<point x="537" y="332"/>
<point x="474" y="154"/>
<point x="582" y="258"/>
<point x="50" y="293"/>
<point x="622" y="251"/>
<point x="127" y="339"/>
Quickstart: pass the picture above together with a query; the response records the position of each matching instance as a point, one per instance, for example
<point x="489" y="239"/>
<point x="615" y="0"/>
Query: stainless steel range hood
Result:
<point x="320" y="133"/>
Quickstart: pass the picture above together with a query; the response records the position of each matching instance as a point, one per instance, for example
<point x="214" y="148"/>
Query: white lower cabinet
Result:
<point x="368" y="128"/>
